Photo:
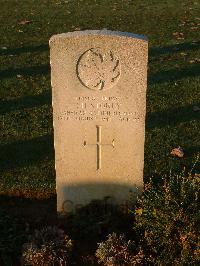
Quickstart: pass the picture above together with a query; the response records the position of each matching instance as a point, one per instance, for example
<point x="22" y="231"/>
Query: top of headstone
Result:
<point x="103" y="32"/>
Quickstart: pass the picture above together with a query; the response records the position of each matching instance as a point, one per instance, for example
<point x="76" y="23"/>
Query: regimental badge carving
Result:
<point x="98" y="70"/>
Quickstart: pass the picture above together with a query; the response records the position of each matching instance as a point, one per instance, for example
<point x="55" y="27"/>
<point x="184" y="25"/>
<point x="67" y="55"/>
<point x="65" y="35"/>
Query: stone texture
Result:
<point x="99" y="103"/>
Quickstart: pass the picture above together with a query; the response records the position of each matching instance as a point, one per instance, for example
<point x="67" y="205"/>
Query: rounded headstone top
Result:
<point x="103" y="32"/>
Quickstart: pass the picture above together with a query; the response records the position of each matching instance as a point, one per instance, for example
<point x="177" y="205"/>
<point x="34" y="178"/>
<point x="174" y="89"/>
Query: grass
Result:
<point x="27" y="175"/>
<point x="26" y="133"/>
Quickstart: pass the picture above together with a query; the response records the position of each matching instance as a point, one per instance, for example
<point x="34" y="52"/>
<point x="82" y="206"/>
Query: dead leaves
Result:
<point x="139" y="211"/>
<point x="177" y="152"/>
<point x="24" y="22"/>
<point x="195" y="60"/>
<point x="178" y="35"/>
<point x="74" y="28"/>
<point x="186" y="24"/>
<point x="19" y="76"/>
<point x="196" y="108"/>
<point x="191" y="24"/>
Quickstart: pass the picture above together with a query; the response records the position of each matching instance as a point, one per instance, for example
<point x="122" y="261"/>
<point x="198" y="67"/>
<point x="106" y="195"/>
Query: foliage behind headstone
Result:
<point x="49" y="246"/>
<point x="169" y="217"/>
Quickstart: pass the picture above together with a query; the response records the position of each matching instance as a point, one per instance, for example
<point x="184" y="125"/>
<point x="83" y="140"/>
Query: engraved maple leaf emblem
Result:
<point x="97" y="70"/>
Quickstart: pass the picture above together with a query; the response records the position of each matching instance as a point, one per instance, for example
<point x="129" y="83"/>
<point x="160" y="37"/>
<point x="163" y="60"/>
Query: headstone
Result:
<point x="99" y="99"/>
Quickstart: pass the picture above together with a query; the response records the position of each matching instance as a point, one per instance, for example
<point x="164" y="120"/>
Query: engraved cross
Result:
<point x="99" y="145"/>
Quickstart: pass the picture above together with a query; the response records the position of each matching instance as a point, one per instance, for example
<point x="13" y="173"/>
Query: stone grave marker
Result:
<point x="99" y="102"/>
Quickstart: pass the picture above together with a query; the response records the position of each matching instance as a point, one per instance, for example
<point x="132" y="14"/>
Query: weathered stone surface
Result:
<point x="99" y="99"/>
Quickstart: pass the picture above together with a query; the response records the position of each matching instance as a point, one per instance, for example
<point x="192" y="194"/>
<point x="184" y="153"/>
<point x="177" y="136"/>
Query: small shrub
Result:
<point x="49" y="246"/>
<point x="168" y="214"/>
<point x="117" y="251"/>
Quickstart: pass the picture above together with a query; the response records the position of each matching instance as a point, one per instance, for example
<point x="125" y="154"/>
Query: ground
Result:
<point x="26" y="135"/>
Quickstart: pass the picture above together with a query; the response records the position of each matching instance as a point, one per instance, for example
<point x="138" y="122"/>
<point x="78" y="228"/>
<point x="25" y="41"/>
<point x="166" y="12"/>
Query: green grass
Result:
<point x="26" y="133"/>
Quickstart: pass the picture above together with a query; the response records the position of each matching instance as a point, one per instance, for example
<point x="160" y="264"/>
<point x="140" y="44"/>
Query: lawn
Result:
<point x="26" y="124"/>
<point x="26" y="135"/>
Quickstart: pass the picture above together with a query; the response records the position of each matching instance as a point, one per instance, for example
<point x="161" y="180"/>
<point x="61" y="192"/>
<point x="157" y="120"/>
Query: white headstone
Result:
<point x="99" y="81"/>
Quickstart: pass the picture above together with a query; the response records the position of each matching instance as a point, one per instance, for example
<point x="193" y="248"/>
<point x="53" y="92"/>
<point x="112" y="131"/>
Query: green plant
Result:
<point x="49" y="246"/>
<point x="116" y="251"/>
<point x="168" y="214"/>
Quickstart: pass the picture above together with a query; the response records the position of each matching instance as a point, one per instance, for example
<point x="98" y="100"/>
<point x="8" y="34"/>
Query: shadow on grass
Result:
<point x="156" y="51"/>
<point x="23" y="153"/>
<point x="191" y="150"/>
<point x="25" y="49"/>
<point x="159" y="77"/>
<point x="171" y="117"/>
<point x="32" y="211"/>
<point x="27" y="152"/>
<point x="153" y="51"/>
<point x="88" y="226"/>
<point x="25" y="71"/>
<point x="173" y="74"/>
<point x="25" y="102"/>
<point x="18" y="218"/>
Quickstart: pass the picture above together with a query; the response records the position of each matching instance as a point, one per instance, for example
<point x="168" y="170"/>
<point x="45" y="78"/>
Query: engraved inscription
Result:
<point x="98" y="144"/>
<point x="98" y="108"/>
<point x="98" y="70"/>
